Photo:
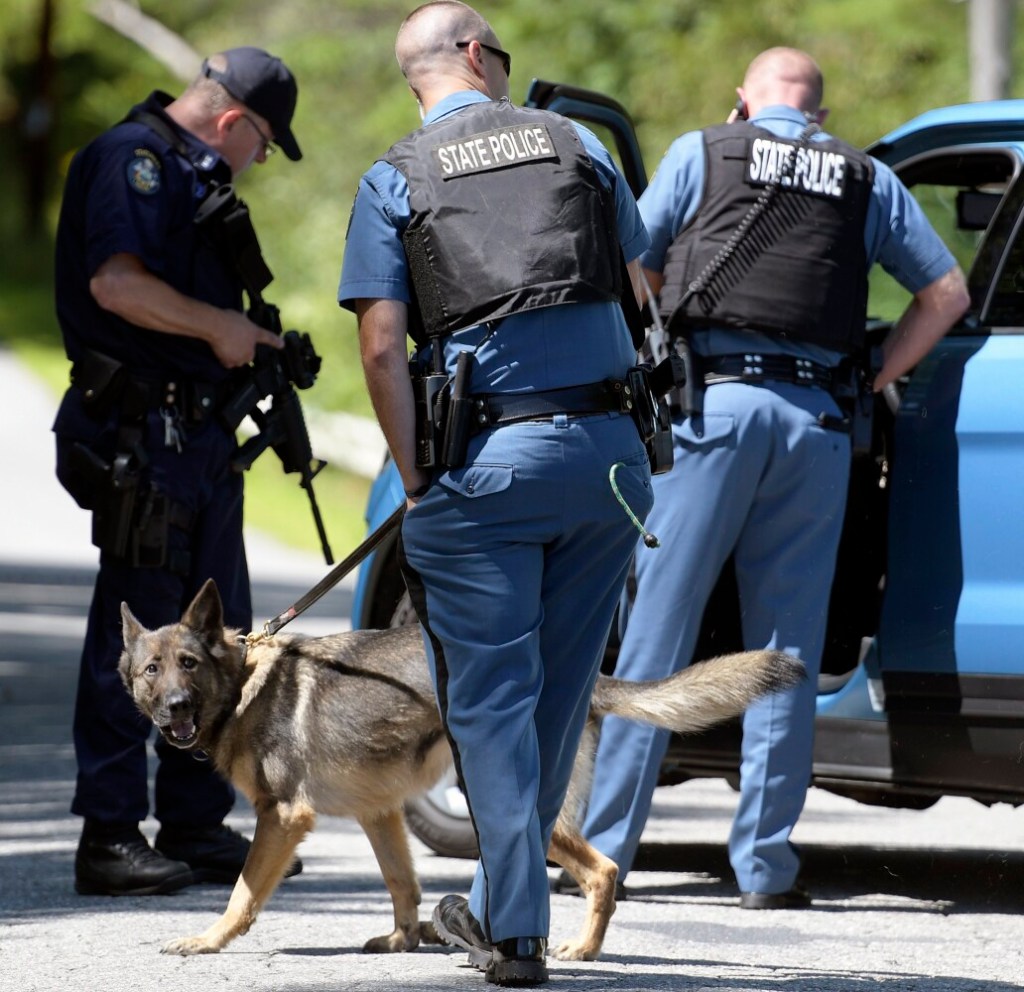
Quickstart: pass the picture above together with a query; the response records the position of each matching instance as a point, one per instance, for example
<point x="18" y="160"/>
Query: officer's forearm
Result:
<point x="124" y="286"/>
<point x="382" y="347"/>
<point x="932" y="312"/>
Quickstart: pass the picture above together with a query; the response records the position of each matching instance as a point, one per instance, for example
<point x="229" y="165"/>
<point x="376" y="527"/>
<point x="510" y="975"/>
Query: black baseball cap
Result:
<point x="264" y="84"/>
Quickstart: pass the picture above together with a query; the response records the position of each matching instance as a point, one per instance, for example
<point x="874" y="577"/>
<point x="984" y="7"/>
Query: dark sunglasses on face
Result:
<point x="506" y="59"/>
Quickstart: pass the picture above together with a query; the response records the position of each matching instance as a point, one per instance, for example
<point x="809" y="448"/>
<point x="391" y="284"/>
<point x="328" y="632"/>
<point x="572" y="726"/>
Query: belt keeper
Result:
<point x="840" y="424"/>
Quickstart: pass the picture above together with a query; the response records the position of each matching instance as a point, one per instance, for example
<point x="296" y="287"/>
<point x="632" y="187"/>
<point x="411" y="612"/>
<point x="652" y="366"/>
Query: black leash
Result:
<point x="333" y="577"/>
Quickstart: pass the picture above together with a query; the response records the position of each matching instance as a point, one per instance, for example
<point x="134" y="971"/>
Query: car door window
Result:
<point x="963" y="192"/>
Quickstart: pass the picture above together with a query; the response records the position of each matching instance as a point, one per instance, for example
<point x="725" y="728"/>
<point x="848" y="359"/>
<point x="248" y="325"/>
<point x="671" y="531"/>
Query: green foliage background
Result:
<point x="673" y="63"/>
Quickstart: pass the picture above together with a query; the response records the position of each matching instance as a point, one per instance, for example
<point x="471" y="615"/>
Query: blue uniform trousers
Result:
<point x="766" y="481"/>
<point x="110" y="734"/>
<point x="515" y="563"/>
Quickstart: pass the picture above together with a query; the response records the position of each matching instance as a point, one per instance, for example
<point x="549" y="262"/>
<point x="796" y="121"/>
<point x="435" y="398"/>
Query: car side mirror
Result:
<point x="975" y="208"/>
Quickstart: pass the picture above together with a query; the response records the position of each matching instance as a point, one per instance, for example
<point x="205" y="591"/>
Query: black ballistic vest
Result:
<point x="508" y="214"/>
<point x="801" y="270"/>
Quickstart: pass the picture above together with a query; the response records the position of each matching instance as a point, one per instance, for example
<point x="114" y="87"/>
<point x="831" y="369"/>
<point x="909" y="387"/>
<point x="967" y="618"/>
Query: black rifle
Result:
<point x="275" y="373"/>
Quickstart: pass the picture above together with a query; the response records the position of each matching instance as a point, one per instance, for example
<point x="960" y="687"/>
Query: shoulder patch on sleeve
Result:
<point x="144" y="172"/>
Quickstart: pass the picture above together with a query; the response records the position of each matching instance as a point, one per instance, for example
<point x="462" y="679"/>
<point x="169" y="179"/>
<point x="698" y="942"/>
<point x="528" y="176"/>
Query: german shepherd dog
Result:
<point x="348" y="725"/>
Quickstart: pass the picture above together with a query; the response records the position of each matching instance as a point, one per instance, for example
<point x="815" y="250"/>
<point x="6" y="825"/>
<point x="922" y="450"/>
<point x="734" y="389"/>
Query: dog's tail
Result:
<point x="687" y="702"/>
<point x="702" y="694"/>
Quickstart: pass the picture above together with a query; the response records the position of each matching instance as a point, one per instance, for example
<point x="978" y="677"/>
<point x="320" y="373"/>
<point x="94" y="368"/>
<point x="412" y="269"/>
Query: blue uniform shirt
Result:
<point x="129" y="191"/>
<point x="536" y="350"/>
<point x="897" y="234"/>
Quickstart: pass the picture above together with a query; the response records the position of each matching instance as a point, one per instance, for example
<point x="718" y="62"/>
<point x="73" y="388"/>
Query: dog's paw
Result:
<point x="392" y="943"/>
<point x="576" y="950"/>
<point x="186" y="946"/>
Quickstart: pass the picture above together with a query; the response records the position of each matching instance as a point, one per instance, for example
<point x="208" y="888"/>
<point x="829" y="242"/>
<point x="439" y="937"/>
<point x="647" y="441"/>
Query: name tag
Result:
<point x="816" y="170"/>
<point x="497" y="149"/>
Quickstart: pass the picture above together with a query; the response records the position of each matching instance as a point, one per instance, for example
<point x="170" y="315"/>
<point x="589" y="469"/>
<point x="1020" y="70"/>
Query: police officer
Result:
<point x="761" y="471"/>
<point x="496" y="235"/>
<point x="150" y="311"/>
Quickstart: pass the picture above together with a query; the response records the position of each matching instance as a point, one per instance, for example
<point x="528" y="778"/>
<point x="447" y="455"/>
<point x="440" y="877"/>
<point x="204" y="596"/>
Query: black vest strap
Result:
<point x="156" y="123"/>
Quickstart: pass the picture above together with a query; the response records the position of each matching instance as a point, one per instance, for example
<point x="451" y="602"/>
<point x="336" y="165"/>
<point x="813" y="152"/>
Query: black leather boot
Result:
<point x="215" y="854"/>
<point x="116" y="860"/>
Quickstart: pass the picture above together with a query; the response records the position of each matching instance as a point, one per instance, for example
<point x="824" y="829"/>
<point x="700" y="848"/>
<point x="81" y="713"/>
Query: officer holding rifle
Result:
<point x="150" y="304"/>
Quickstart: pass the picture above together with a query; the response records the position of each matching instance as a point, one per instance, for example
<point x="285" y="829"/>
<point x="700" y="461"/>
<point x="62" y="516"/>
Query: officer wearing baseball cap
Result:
<point x="151" y="311"/>
<point x="264" y="84"/>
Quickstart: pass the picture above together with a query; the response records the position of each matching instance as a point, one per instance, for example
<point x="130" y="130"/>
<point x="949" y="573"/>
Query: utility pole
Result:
<point x="990" y="36"/>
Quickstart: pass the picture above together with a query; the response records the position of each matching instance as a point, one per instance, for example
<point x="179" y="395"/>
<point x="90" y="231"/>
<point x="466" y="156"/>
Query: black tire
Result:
<point x="439" y="819"/>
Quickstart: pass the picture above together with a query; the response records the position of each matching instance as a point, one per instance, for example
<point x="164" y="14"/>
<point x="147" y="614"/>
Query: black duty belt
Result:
<point x="754" y="367"/>
<point x="105" y="382"/>
<point x="194" y="401"/>
<point x="492" y="409"/>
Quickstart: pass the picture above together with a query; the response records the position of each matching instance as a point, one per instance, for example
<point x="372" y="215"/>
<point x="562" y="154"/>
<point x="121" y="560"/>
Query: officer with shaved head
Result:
<point x="763" y="232"/>
<point x="497" y="237"/>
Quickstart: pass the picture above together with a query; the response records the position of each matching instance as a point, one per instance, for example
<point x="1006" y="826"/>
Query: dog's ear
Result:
<point x="131" y="629"/>
<point x="205" y="614"/>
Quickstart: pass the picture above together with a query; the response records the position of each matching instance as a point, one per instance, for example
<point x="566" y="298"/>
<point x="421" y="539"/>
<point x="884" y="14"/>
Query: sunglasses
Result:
<point x="506" y="59"/>
<point x="268" y="147"/>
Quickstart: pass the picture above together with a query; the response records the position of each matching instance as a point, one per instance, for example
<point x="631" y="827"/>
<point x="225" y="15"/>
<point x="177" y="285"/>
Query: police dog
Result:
<point x="348" y="725"/>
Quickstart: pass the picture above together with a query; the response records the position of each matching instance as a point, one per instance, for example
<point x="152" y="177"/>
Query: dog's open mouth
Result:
<point x="180" y="733"/>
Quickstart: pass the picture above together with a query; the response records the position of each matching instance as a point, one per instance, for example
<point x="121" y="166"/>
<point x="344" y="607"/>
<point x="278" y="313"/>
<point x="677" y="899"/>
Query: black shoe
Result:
<point x="795" y="898"/>
<point x="215" y="854"/>
<point x="518" y="961"/>
<point x="457" y="926"/>
<point x="564" y="884"/>
<point x="117" y="861"/>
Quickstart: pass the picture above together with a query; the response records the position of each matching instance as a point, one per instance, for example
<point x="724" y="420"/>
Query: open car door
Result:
<point x="606" y="117"/>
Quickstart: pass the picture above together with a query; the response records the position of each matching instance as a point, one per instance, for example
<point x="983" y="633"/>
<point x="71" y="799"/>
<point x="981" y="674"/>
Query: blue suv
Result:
<point x="922" y="691"/>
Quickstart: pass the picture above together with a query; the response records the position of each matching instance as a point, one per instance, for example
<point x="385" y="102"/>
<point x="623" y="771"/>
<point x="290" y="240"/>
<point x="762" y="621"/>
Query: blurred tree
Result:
<point x="673" y="63"/>
<point x="151" y="35"/>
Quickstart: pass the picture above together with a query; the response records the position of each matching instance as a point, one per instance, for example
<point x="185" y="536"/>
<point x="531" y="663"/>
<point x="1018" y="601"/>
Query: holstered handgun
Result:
<point x="429" y="404"/>
<point x="690" y="392"/>
<point x="856" y="398"/>
<point x="644" y="386"/>
<point x="129" y="518"/>
<point x="115" y="512"/>
<point x="459" y="421"/>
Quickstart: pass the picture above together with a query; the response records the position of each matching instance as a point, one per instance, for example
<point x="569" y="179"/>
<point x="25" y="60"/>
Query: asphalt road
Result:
<point x="926" y="901"/>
